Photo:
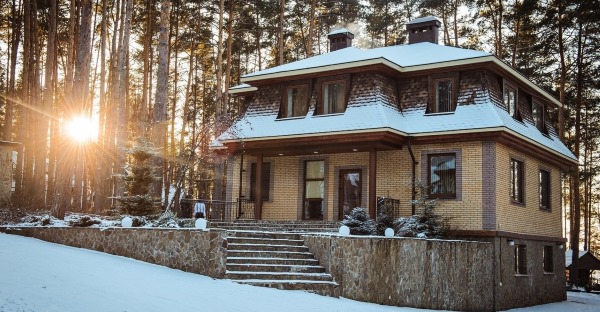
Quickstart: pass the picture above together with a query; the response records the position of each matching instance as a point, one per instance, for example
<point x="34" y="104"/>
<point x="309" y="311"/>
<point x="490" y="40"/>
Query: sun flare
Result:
<point x="81" y="129"/>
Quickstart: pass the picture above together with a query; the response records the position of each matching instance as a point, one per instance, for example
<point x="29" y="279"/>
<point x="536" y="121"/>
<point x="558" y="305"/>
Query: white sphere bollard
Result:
<point x="389" y="232"/>
<point x="200" y="224"/>
<point x="344" y="230"/>
<point x="126" y="222"/>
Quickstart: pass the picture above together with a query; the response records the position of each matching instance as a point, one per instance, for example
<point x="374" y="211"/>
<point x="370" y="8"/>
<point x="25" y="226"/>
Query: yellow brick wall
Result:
<point x="466" y="213"/>
<point x="527" y="218"/>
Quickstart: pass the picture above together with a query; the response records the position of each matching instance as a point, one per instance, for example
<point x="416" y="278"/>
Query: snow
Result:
<point x="41" y="276"/>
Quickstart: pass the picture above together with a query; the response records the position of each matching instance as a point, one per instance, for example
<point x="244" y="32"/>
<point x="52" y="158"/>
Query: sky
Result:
<point x="41" y="276"/>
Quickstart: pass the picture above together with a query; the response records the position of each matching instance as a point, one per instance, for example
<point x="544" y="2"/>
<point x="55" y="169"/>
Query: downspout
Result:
<point x="413" y="178"/>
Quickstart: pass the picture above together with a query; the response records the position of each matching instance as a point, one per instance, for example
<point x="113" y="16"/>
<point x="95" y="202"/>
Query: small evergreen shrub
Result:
<point x="385" y="218"/>
<point x="359" y="222"/>
<point x="426" y="223"/>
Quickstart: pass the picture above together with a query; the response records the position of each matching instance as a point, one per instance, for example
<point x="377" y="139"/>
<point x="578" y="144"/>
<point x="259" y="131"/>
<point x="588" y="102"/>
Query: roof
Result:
<point x="402" y="58"/>
<point x="423" y="20"/>
<point x="587" y="260"/>
<point x="376" y="116"/>
<point x="339" y="31"/>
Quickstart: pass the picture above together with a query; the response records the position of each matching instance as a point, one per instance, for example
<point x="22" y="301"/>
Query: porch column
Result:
<point x="373" y="183"/>
<point x="258" y="184"/>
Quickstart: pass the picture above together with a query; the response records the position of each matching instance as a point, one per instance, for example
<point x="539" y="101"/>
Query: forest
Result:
<point x="87" y="84"/>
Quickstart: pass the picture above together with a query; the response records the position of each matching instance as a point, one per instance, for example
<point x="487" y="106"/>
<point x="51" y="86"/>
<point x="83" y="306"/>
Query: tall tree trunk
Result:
<point x="311" y="29"/>
<point x="160" y="107"/>
<point x="228" y="66"/>
<point x="81" y="89"/>
<point x="280" y="32"/>
<point x="122" y="117"/>
<point x="15" y="38"/>
<point x="574" y="271"/>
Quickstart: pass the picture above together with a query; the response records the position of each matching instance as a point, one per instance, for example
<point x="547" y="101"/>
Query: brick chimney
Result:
<point x="339" y="39"/>
<point x="423" y="29"/>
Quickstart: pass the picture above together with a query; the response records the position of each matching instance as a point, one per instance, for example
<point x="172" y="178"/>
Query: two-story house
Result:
<point x="323" y="135"/>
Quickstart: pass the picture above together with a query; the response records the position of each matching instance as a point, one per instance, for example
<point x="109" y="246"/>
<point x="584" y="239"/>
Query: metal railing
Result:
<point x="219" y="210"/>
<point x="389" y="206"/>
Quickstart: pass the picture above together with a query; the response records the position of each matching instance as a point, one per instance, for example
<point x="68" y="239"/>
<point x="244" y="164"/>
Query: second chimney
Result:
<point x="423" y="29"/>
<point x="339" y="39"/>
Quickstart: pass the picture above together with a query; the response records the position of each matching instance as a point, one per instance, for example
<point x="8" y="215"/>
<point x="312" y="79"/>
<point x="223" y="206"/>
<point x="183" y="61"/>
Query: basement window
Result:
<point x="520" y="260"/>
<point x="548" y="259"/>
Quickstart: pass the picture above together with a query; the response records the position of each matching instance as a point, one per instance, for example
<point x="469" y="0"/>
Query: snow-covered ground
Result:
<point x="41" y="276"/>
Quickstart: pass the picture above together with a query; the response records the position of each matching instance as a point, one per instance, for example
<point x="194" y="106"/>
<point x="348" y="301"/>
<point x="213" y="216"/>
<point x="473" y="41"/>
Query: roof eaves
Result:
<point x="236" y="90"/>
<point x="523" y="79"/>
<point x="319" y="69"/>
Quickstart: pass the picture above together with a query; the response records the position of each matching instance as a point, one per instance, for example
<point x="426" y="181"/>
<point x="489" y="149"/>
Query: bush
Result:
<point x="385" y="219"/>
<point x="359" y="222"/>
<point x="425" y="224"/>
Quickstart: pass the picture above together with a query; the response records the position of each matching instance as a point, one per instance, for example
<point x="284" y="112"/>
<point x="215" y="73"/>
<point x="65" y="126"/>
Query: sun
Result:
<point x="81" y="129"/>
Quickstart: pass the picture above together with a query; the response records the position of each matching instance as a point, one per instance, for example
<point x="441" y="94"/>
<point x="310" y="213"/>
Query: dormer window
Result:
<point x="443" y="90"/>
<point x="295" y="101"/>
<point x="510" y="100"/>
<point x="334" y="97"/>
<point x="443" y="96"/>
<point x="537" y="113"/>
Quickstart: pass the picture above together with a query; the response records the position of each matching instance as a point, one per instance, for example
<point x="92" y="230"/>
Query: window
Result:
<point x="314" y="189"/>
<point x="537" y="113"/>
<point x="265" y="182"/>
<point x="295" y="101"/>
<point x="334" y="97"/>
<point x="442" y="175"/>
<point x="548" y="259"/>
<point x="443" y="90"/>
<point x="443" y="96"/>
<point x="516" y="181"/>
<point x="520" y="260"/>
<point x="510" y="100"/>
<point x="544" y="189"/>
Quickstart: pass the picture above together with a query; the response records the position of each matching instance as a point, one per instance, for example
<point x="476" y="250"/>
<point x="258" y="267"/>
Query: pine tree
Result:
<point x="138" y="179"/>
<point x="359" y="222"/>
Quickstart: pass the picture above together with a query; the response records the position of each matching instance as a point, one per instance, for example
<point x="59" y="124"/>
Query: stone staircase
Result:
<point x="277" y="260"/>
<point x="279" y="226"/>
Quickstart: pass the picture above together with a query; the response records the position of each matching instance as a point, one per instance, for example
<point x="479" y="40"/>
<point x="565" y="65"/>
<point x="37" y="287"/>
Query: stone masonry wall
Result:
<point x="189" y="250"/>
<point x="431" y="274"/>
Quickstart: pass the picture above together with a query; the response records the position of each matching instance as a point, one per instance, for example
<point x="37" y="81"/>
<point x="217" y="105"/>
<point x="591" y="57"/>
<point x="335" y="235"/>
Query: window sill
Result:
<point x="545" y="209"/>
<point x="328" y="115"/>
<point x="549" y="273"/>
<point x="516" y="203"/>
<point x="440" y="114"/>
<point x="521" y="275"/>
<point x="290" y="118"/>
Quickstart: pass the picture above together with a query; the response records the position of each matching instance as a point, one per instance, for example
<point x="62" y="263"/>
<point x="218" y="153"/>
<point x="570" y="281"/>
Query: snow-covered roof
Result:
<point x="423" y="20"/>
<point x="339" y="31"/>
<point x="402" y="58"/>
<point x="481" y="117"/>
<point x="244" y="87"/>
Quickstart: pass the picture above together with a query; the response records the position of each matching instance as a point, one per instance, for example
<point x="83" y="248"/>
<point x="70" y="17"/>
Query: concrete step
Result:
<point x="266" y="247"/>
<point x="263" y="234"/>
<point x="275" y="261"/>
<point x="269" y="254"/>
<point x="324" y="288"/>
<point x="265" y="241"/>
<point x="291" y="268"/>
<point x="257" y="275"/>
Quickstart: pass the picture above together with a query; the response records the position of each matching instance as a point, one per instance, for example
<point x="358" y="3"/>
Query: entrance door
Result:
<point x="350" y="192"/>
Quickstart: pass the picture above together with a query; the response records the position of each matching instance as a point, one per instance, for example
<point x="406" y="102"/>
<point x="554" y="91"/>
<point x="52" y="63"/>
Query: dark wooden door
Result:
<point x="350" y="191"/>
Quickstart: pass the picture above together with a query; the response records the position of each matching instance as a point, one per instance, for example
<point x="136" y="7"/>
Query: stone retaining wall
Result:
<point x="189" y="250"/>
<point x="431" y="274"/>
